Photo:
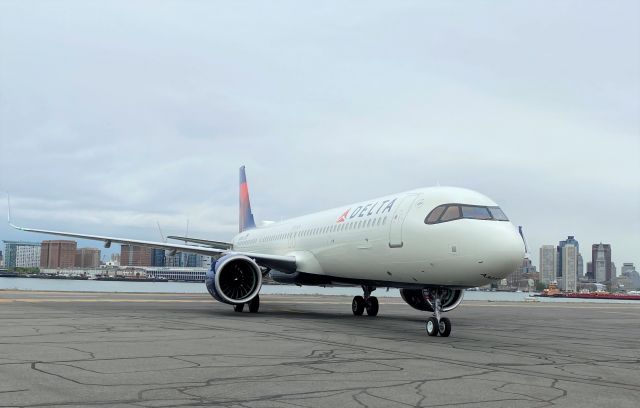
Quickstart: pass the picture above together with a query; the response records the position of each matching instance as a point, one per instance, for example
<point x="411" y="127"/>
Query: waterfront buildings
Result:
<point x="87" y="258"/>
<point x="601" y="262"/>
<point x="11" y="251"/>
<point x="115" y="259"/>
<point x="132" y="255"/>
<point x="158" y="257"/>
<point x="58" y="254"/>
<point x="1" y="259"/>
<point x="548" y="264"/>
<point x="28" y="256"/>
<point x="524" y="277"/>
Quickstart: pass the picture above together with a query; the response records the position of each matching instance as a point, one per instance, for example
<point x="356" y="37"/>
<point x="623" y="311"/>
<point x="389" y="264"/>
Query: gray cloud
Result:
<point x="115" y="115"/>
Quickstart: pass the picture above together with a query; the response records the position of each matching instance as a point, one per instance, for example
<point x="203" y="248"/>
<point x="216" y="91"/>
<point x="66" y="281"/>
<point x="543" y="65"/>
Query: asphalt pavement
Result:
<point x="64" y="349"/>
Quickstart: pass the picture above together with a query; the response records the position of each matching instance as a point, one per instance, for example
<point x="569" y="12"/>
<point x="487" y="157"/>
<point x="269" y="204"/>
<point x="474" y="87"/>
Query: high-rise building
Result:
<point x="580" y="268"/>
<point x="28" y="256"/>
<point x="1" y="259"/>
<point x="589" y="275"/>
<point x="569" y="279"/>
<point x="133" y="255"/>
<point x="559" y="261"/>
<point x="87" y="258"/>
<point x="58" y="254"/>
<point x="627" y="267"/>
<point x="115" y="259"/>
<point x="11" y="251"/>
<point x="628" y="270"/>
<point x="601" y="262"/>
<point x="548" y="264"/>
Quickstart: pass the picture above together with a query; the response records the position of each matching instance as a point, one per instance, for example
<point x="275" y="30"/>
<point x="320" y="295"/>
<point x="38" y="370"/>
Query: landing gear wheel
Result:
<point x="254" y="304"/>
<point x="444" y="328"/>
<point x="357" y="306"/>
<point x="372" y="306"/>
<point x="432" y="326"/>
<point x="238" y="308"/>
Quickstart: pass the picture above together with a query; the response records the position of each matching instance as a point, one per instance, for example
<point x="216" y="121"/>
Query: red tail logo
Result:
<point x="343" y="217"/>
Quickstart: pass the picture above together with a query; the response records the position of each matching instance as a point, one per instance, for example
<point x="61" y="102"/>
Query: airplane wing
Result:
<point x="285" y="264"/>
<point x="206" y="242"/>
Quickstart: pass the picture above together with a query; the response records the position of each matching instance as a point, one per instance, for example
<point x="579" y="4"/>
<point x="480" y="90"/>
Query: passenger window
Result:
<point x="435" y="214"/>
<point x="452" y="213"/>
<point x="476" y="213"/>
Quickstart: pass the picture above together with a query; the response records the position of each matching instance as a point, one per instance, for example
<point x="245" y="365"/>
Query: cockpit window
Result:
<point x="498" y="214"/>
<point x="476" y="213"/>
<point x="450" y="212"/>
<point x="434" y="216"/>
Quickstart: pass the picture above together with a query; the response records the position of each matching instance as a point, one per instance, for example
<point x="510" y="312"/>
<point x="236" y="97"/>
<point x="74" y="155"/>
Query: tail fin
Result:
<point x="246" y="216"/>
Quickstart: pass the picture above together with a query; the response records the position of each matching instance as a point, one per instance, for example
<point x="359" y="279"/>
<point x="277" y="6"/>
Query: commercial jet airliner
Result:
<point x="431" y="243"/>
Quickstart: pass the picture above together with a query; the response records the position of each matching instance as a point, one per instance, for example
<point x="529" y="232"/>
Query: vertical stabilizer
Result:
<point x="246" y="216"/>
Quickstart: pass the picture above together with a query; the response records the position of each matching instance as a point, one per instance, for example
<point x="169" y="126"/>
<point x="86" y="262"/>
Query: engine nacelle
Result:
<point x="419" y="299"/>
<point x="234" y="279"/>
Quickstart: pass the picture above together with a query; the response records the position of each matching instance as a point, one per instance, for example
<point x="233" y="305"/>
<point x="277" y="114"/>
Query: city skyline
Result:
<point x="109" y="127"/>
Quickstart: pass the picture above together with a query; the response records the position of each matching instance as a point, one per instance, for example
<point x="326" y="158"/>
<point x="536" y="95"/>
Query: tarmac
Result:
<point x="67" y="349"/>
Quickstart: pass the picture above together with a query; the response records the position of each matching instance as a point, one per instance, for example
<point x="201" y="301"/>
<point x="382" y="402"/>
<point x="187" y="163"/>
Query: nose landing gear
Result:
<point x="368" y="303"/>
<point x="435" y="324"/>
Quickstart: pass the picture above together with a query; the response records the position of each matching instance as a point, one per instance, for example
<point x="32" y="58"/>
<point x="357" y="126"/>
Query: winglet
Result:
<point x="524" y="241"/>
<point x="246" y="220"/>
<point x="9" y="214"/>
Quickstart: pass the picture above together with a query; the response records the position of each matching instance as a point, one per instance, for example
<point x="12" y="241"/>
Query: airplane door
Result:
<point x="397" y="219"/>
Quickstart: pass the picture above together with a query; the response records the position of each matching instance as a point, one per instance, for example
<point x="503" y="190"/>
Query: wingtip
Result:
<point x="12" y="225"/>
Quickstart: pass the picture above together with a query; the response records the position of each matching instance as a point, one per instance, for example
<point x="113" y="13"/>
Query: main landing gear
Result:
<point x="435" y="324"/>
<point x="254" y="305"/>
<point x="368" y="303"/>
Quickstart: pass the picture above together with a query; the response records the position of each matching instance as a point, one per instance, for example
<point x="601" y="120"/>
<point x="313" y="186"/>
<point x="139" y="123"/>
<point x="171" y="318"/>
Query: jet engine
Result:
<point x="419" y="299"/>
<point x="234" y="279"/>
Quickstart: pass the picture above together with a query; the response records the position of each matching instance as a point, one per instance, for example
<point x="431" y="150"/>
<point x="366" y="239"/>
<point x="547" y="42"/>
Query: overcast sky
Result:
<point x="118" y="115"/>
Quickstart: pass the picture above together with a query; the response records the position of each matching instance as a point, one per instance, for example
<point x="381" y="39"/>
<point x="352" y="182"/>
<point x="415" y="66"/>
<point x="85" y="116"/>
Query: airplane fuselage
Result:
<point x="389" y="240"/>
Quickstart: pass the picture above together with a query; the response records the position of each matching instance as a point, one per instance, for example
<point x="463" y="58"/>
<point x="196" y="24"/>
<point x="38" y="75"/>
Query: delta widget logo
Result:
<point x="343" y="217"/>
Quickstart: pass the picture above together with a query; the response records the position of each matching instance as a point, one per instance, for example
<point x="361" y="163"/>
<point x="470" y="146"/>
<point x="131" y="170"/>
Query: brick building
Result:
<point x="58" y="254"/>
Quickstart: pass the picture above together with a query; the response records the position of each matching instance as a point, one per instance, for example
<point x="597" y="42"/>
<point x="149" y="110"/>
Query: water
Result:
<point x="196" y="287"/>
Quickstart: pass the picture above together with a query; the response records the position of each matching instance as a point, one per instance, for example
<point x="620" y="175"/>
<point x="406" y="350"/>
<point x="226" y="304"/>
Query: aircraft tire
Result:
<point x="444" y="328"/>
<point x="372" y="306"/>
<point x="238" y="308"/>
<point x="432" y="326"/>
<point x="357" y="306"/>
<point x="254" y="304"/>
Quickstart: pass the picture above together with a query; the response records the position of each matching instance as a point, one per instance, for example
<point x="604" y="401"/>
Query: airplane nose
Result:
<point x="501" y="249"/>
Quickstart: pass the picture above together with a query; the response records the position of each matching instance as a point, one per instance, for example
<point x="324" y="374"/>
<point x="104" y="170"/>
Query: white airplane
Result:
<point x="431" y="243"/>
